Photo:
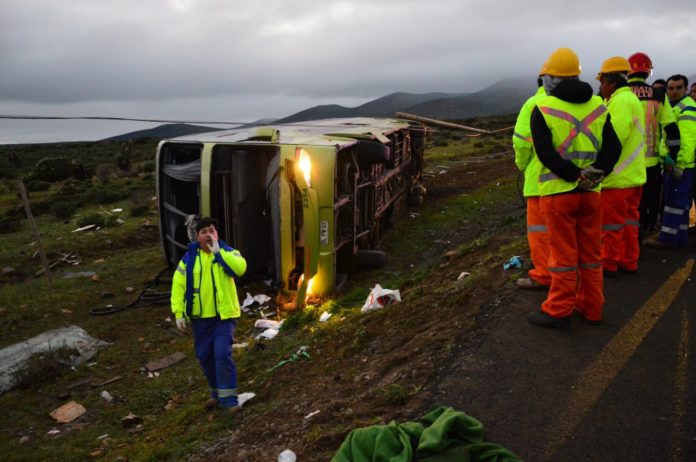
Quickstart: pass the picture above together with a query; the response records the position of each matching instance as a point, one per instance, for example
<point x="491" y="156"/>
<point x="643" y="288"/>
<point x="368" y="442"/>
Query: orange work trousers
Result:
<point x="538" y="241"/>
<point x="574" y="224"/>
<point x="620" y="227"/>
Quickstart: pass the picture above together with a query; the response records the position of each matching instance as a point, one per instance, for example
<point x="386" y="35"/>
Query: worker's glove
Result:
<point x="213" y="246"/>
<point x="181" y="324"/>
<point x="590" y="178"/>
<point x="677" y="173"/>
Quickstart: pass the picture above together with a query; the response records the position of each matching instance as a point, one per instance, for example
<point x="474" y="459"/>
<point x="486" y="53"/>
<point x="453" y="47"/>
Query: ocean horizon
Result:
<point x="30" y="131"/>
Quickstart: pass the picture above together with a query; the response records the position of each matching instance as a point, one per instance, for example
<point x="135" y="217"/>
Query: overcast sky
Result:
<point x="247" y="59"/>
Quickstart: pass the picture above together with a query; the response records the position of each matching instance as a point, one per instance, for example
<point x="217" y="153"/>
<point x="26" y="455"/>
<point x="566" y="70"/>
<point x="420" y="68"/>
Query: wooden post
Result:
<point x="35" y="230"/>
<point x="441" y="123"/>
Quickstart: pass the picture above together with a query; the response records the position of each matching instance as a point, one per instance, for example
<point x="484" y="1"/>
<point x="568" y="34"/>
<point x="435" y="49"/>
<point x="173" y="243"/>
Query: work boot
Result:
<point x="530" y="284"/>
<point x="656" y="243"/>
<point x="539" y="318"/>
<point x="233" y="410"/>
<point x="212" y="403"/>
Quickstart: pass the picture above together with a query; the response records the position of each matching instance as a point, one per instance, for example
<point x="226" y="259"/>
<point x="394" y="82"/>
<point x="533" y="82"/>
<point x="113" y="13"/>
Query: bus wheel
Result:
<point x="370" y="259"/>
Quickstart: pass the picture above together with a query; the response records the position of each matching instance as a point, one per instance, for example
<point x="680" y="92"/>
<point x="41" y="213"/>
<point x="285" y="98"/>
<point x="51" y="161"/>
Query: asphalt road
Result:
<point x="622" y="391"/>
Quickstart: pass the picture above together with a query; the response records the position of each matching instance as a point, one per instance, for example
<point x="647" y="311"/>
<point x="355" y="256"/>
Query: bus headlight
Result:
<point x="305" y="165"/>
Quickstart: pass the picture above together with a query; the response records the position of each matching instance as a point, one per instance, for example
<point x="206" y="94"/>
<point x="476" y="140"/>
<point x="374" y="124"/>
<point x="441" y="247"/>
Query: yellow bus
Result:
<point x="303" y="202"/>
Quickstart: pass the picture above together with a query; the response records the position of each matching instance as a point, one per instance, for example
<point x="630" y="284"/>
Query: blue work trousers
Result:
<point x="675" y="216"/>
<point x="212" y="338"/>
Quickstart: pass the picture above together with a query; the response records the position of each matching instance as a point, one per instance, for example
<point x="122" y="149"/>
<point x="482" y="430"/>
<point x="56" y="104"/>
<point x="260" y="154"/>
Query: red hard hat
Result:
<point x="640" y="62"/>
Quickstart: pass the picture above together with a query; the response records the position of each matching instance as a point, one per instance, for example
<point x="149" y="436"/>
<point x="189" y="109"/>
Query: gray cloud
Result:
<point x="186" y="58"/>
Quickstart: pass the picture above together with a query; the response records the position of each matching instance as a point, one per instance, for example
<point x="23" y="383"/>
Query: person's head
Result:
<point x="692" y="92"/>
<point x="562" y="64"/>
<point x="676" y="87"/>
<point x="613" y="75"/>
<point x="660" y="83"/>
<point x="206" y="231"/>
<point x="641" y="65"/>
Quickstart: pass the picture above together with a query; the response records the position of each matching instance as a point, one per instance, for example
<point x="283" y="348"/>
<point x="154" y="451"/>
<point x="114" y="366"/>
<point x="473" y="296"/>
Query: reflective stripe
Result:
<point x="227" y="392"/>
<point x="674" y="142"/>
<point x="612" y="227"/>
<point x="632" y="223"/>
<point x="236" y="253"/>
<point x="581" y="126"/>
<point x="667" y="230"/>
<point x="181" y="270"/>
<point x="687" y="117"/>
<point x="590" y="265"/>
<point x="683" y="227"/>
<point x="674" y="210"/>
<point x="629" y="160"/>
<point x="547" y="177"/>
<point x="536" y="229"/>
<point x="562" y="269"/>
<point x="581" y="155"/>
<point x="523" y="138"/>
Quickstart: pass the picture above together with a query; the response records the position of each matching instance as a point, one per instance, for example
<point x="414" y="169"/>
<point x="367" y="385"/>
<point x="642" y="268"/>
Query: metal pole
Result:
<point x="35" y="230"/>
<point x="404" y="115"/>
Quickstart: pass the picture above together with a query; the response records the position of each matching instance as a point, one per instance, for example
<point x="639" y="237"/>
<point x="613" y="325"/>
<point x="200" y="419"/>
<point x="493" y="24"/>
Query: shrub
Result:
<point x="37" y="185"/>
<point x="63" y="210"/>
<point x="101" y="195"/>
<point x="52" y="169"/>
<point x="147" y="167"/>
<point x="90" y="219"/>
<point x="105" y="172"/>
<point x="72" y="188"/>
<point x="9" y="224"/>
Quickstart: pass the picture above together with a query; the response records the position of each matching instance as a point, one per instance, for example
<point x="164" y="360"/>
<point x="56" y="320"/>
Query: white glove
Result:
<point x="214" y="247"/>
<point x="181" y="324"/>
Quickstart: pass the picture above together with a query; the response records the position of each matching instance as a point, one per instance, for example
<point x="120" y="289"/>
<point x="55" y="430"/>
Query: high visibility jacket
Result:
<point x="576" y="132"/>
<point x="525" y="158"/>
<point x="657" y="116"/>
<point x="627" y="117"/>
<point x="203" y="284"/>
<point x="685" y="113"/>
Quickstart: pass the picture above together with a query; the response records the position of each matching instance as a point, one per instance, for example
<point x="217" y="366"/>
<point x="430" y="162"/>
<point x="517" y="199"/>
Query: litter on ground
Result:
<point x="380" y="298"/>
<point x="514" y="262"/>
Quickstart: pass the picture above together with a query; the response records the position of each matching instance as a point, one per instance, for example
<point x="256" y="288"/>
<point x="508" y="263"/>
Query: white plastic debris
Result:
<point x="244" y="397"/>
<point x="116" y="210"/>
<point x="268" y="324"/>
<point x="240" y="345"/>
<point x="268" y="333"/>
<point x="259" y="298"/>
<point x="106" y="396"/>
<point x="464" y="274"/>
<point x="248" y="301"/>
<point x="287" y="456"/>
<point x="84" y="228"/>
<point x="324" y="316"/>
<point x="311" y="414"/>
<point x="53" y="431"/>
<point x="380" y="298"/>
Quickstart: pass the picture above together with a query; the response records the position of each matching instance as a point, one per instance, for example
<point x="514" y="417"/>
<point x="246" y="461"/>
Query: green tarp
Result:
<point x="442" y="435"/>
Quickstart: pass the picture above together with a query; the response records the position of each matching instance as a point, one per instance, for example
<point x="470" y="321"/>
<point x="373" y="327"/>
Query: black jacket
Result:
<point x="572" y="91"/>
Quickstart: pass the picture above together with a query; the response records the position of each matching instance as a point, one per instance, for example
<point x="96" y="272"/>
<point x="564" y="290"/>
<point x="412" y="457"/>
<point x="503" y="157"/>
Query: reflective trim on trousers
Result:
<point x="590" y="265"/>
<point x="667" y="230"/>
<point x="227" y="392"/>
<point x="536" y="229"/>
<point x="674" y="211"/>
<point x="612" y="227"/>
<point x="632" y="223"/>
<point x="563" y="269"/>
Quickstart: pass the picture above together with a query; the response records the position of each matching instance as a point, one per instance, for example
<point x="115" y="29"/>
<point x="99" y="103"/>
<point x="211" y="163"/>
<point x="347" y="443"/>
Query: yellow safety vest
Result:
<point x="685" y="112"/>
<point x="627" y="118"/>
<point x="525" y="157"/>
<point x="576" y="132"/>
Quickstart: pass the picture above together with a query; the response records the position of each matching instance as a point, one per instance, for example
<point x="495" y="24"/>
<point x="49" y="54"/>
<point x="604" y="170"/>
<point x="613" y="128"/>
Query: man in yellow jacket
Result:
<point x="622" y="188"/>
<point x="527" y="161"/>
<point x="203" y="290"/>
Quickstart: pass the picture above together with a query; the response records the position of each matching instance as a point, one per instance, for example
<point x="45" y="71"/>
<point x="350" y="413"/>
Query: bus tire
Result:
<point x="370" y="259"/>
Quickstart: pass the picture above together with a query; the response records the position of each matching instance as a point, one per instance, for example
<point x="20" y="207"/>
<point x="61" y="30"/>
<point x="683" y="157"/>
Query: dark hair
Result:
<point x="662" y="82"/>
<point x="676" y="77"/>
<point x="205" y="222"/>
<point x="615" y="79"/>
<point x="540" y="82"/>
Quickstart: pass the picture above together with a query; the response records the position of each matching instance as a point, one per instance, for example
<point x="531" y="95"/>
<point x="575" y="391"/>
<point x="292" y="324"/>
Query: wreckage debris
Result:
<point x="165" y="362"/>
<point x="68" y="412"/>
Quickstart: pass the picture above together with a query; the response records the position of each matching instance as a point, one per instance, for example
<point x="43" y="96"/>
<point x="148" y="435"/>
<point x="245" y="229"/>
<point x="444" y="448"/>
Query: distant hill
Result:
<point x="164" y="131"/>
<point x="385" y="106"/>
<point x="503" y="97"/>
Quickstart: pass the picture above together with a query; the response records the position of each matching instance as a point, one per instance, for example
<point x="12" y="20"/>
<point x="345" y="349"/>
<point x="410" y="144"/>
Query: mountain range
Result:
<point x="503" y="97"/>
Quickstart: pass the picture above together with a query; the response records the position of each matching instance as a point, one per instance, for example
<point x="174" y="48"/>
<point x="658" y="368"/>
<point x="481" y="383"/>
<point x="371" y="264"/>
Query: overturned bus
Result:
<point x="302" y="202"/>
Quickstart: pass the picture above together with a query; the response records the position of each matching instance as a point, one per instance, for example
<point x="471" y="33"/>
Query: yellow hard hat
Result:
<point x="563" y="63"/>
<point x="613" y="65"/>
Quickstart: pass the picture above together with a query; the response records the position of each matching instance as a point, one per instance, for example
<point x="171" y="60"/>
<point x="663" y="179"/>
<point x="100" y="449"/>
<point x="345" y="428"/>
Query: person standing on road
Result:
<point x="527" y="161"/>
<point x="679" y="171"/>
<point x="576" y="143"/>
<point x="622" y="188"/>
<point x="203" y="290"/>
<point x="658" y="117"/>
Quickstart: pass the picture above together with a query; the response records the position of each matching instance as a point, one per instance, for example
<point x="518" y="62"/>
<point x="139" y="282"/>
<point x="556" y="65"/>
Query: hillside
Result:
<point x="164" y="131"/>
<point x="503" y="97"/>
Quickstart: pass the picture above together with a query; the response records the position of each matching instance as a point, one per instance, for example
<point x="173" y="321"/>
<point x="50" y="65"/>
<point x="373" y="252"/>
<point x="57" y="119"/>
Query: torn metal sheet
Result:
<point x="165" y="362"/>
